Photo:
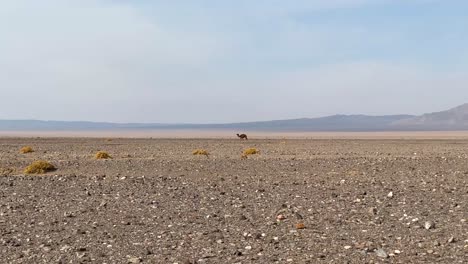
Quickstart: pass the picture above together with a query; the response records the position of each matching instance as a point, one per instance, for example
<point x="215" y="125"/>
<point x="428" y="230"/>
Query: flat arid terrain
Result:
<point x="298" y="201"/>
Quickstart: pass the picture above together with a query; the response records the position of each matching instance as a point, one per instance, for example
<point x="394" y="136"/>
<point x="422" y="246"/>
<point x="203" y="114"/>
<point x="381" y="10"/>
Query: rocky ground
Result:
<point x="299" y="201"/>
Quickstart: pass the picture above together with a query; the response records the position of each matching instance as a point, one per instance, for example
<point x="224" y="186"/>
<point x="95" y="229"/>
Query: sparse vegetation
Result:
<point x="26" y="149"/>
<point x="6" y="171"/>
<point x="251" y="151"/>
<point x="102" y="155"/>
<point x="201" y="152"/>
<point x="39" y="167"/>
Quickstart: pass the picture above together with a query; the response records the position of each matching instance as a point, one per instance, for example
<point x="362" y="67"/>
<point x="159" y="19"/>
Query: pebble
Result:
<point x="133" y="260"/>
<point x="347" y="247"/>
<point x="300" y="226"/>
<point x="381" y="253"/>
<point x="428" y="225"/>
<point x="65" y="248"/>
<point x="390" y="195"/>
<point x="46" y="249"/>
<point x="280" y="217"/>
<point x="372" y="211"/>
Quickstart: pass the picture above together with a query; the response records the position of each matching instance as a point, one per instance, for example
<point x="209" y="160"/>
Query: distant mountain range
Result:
<point x="450" y="120"/>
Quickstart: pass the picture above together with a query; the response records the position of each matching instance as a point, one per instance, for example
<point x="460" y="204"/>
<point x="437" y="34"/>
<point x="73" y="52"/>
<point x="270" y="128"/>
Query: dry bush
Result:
<point x="39" y="167"/>
<point x="6" y="171"/>
<point x="200" y="152"/>
<point x="26" y="149"/>
<point x="102" y="155"/>
<point x="251" y="151"/>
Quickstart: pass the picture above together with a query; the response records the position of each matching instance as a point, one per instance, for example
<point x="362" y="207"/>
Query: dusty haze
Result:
<point x="230" y="61"/>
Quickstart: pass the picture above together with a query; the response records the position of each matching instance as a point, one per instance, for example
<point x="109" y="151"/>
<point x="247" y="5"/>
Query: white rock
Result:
<point x="381" y="253"/>
<point x="428" y="225"/>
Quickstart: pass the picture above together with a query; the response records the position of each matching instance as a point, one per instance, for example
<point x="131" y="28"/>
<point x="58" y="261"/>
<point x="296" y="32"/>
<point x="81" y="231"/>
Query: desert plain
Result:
<point x="336" y="200"/>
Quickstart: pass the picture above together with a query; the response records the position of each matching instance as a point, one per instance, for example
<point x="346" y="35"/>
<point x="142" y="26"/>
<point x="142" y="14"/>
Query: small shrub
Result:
<point x="200" y="152"/>
<point x="6" y="171"/>
<point x="39" y="167"/>
<point x="102" y="155"/>
<point x="26" y="149"/>
<point x="251" y="151"/>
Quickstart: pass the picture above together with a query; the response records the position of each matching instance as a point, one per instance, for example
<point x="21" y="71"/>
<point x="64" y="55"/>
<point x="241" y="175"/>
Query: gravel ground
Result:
<point x="299" y="201"/>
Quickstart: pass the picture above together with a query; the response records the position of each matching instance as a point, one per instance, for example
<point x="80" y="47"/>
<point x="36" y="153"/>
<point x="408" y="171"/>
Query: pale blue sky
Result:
<point x="226" y="61"/>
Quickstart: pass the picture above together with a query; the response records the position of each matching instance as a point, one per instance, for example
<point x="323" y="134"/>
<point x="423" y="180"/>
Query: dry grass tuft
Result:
<point x="26" y="149"/>
<point x="102" y="155"/>
<point x="200" y="152"/>
<point x="251" y="151"/>
<point x="39" y="167"/>
<point x="6" y="171"/>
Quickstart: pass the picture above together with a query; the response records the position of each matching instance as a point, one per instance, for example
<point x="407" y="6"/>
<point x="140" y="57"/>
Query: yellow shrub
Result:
<point x="39" y="167"/>
<point x="251" y="151"/>
<point x="200" y="152"/>
<point x="26" y="149"/>
<point x="6" y="171"/>
<point x="102" y="155"/>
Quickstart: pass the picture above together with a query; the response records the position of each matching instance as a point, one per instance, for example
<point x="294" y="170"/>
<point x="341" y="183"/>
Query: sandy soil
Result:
<point x="299" y="201"/>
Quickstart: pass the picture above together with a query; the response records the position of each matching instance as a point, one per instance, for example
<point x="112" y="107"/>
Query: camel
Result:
<point x="242" y="136"/>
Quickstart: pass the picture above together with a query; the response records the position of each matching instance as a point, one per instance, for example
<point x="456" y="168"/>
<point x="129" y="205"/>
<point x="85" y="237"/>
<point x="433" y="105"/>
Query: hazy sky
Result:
<point x="230" y="60"/>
